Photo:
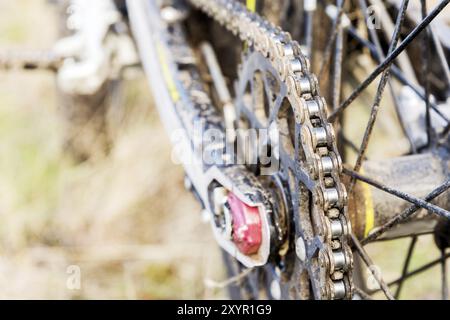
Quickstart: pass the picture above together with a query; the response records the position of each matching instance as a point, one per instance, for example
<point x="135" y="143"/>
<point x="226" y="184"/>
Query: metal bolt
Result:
<point x="300" y="249"/>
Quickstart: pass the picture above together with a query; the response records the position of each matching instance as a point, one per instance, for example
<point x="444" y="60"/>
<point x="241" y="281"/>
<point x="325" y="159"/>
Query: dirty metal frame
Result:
<point x="180" y="109"/>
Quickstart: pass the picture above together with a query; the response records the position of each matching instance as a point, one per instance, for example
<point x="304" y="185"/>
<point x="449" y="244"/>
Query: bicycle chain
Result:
<point x="30" y="60"/>
<point x="323" y="163"/>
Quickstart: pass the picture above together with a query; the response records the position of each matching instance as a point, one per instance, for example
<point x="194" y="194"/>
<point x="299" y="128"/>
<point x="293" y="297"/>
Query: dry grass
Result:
<point x="125" y="220"/>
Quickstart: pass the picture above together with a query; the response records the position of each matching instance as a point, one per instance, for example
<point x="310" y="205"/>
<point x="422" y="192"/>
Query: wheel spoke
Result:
<point x="365" y="257"/>
<point x="372" y="32"/>
<point x="379" y="52"/>
<point x="396" y="72"/>
<point x="426" y="75"/>
<point x="402" y="195"/>
<point x="405" y="214"/>
<point x="412" y="245"/>
<point x="364" y="295"/>
<point x="337" y="72"/>
<point x="389" y="59"/>
<point x="335" y="30"/>
<point x="444" y="275"/>
<point x="382" y="84"/>
<point x="441" y="54"/>
<point x="420" y="269"/>
<point x="348" y="142"/>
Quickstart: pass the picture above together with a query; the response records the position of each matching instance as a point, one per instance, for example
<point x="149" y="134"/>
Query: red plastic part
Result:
<point x="246" y="221"/>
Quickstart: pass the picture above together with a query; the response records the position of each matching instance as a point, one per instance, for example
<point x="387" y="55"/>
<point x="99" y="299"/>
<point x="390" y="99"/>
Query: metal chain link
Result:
<point x="317" y="136"/>
<point x="30" y="60"/>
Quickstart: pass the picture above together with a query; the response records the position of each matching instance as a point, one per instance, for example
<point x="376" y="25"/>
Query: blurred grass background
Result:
<point x="125" y="220"/>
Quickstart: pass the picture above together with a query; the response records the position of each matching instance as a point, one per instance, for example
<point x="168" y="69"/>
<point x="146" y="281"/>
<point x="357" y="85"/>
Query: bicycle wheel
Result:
<point x="321" y="210"/>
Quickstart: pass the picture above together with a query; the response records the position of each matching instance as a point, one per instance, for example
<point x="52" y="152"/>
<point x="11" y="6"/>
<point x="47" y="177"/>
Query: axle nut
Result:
<point x="247" y="227"/>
